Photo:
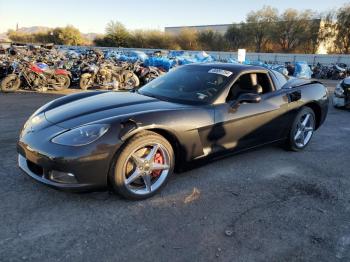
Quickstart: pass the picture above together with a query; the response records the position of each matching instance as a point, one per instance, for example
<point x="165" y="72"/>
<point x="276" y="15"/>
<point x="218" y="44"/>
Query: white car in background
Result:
<point x="341" y="95"/>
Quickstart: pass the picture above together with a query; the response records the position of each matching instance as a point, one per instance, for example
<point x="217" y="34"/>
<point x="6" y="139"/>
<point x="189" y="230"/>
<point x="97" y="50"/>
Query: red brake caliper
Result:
<point x="158" y="158"/>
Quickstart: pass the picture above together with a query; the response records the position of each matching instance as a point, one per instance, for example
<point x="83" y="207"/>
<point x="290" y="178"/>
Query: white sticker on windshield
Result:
<point x="220" y="72"/>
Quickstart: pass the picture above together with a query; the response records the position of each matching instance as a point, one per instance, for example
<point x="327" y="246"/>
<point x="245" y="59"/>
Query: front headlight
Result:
<point x="339" y="91"/>
<point x="34" y="120"/>
<point x="81" y="136"/>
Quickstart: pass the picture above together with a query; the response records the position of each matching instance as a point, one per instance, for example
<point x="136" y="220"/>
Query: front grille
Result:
<point x="38" y="170"/>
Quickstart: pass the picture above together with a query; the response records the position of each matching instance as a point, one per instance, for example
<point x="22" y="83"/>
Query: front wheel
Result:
<point x="85" y="81"/>
<point x="302" y="129"/>
<point x="11" y="83"/>
<point x="143" y="166"/>
<point x="62" y="82"/>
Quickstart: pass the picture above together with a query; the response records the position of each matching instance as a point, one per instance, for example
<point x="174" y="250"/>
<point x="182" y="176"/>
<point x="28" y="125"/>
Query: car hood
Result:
<point x="105" y="105"/>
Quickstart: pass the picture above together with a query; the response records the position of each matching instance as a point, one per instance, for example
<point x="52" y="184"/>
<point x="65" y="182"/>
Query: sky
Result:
<point x="93" y="15"/>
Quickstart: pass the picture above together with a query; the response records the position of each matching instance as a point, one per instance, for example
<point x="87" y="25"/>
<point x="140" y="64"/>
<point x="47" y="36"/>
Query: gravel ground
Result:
<point x="262" y="205"/>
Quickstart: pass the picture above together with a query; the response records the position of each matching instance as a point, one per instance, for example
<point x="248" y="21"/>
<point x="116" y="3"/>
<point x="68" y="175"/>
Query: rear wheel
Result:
<point x="11" y="83"/>
<point x="85" y="81"/>
<point x="62" y="82"/>
<point x="143" y="166"/>
<point x="150" y="78"/>
<point x="302" y="129"/>
<point x="131" y="82"/>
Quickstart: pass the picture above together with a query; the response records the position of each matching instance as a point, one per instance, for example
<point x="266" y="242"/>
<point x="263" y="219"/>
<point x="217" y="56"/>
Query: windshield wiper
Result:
<point x="150" y="95"/>
<point x="134" y="90"/>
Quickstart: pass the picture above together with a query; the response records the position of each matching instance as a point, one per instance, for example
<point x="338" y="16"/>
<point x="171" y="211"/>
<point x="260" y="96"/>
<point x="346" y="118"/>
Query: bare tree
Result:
<point x="238" y="36"/>
<point x="342" y="30"/>
<point x="260" y="24"/>
<point x="292" y="28"/>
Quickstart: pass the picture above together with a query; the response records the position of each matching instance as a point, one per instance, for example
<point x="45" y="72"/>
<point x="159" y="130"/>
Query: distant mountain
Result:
<point x="91" y="36"/>
<point x="34" y="29"/>
<point x="4" y="38"/>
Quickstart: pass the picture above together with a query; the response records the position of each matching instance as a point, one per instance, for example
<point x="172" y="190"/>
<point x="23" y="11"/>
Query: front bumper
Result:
<point x="43" y="178"/>
<point x="38" y="157"/>
<point x="338" y="101"/>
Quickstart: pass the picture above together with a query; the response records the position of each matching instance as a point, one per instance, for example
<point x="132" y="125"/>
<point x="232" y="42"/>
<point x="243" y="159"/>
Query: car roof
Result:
<point x="234" y="68"/>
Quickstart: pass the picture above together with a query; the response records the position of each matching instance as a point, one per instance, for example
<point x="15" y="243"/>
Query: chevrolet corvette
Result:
<point x="134" y="141"/>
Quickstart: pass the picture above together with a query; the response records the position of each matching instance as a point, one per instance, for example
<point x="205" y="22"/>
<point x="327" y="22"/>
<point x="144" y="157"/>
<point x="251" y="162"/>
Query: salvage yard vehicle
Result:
<point x="133" y="141"/>
<point x="106" y="74"/>
<point x="341" y="95"/>
<point x="146" y="74"/>
<point x="34" y="76"/>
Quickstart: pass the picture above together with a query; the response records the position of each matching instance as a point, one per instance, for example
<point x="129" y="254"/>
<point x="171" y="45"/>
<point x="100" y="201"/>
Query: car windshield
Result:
<point x="189" y="84"/>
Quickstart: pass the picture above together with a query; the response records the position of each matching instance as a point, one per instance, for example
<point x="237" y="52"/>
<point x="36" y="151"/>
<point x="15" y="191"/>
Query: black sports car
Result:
<point x="133" y="141"/>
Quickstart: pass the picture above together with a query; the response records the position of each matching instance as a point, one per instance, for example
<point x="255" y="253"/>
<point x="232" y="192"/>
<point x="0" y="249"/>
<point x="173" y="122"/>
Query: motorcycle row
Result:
<point x="40" y="69"/>
<point x="334" y="71"/>
<point x="43" y="69"/>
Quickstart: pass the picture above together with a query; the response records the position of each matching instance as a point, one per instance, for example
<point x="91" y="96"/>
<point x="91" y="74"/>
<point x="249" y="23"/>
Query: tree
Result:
<point x="342" y="30"/>
<point x="20" y="37"/>
<point x="312" y="37"/>
<point x="138" y="39"/>
<point x="117" y="34"/>
<point x="68" y="35"/>
<point x="211" y="40"/>
<point x="260" y="24"/>
<point x="187" y="39"/>
<point x="158" y="39"/>
<point x="237" y="37"/>
<point x="292" y="28"/>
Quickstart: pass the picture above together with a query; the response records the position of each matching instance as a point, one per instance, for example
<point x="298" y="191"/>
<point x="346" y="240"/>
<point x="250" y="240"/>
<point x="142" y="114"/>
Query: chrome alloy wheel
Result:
<point x="146" y="168"/>
<point x="304" y="130"/>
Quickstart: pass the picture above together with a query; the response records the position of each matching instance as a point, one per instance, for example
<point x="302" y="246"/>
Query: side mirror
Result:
<point x="249" y="98"/>
<point x="246" y="98"/>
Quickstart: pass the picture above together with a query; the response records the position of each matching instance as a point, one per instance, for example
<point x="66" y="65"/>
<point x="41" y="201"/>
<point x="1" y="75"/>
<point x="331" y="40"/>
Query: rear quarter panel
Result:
<point x="313" y="94"/>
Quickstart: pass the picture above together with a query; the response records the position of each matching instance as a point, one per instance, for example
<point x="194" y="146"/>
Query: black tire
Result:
<point x="131" y="82"/>
<point x="117" y="175"/>
<point x="63" y="82"/>
<point x="150" y="77"/>
<point x="291" y="142"/>
<point x="84" y="82"/>
<point x="10" y="83"/>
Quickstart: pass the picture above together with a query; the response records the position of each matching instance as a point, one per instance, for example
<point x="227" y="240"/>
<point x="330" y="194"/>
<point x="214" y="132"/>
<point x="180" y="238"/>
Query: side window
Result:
<point x="258" y="83"/>
<point x="280" y="79"/>
<point x="264" y="81"/>
<point x="239" y="87"/>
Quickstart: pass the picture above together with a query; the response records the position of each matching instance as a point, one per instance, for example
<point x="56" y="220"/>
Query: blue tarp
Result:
<point x="141" y="56"/>
<point x="184" y="58"/>
<point x="232" y="60"/>
<point x="302" y="70"/>
<point x="175" y="53"/>
<point x="160" y="62"/>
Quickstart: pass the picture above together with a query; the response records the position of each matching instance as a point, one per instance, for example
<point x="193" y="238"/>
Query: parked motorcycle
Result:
<point x="146" y="73"/>
<point x="35" y="77"/>
<point x="108" y="76"/>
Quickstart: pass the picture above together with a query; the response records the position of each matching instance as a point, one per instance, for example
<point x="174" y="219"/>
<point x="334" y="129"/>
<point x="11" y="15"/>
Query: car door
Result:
<point x="249" y="124"/>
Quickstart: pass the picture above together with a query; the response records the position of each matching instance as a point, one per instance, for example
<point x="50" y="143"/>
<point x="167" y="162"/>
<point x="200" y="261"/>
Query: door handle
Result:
<point x="294" y="96"/>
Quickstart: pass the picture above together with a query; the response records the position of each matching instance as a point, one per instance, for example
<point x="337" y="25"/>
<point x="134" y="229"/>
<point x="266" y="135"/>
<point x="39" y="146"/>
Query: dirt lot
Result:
<point x="263" y="205"/>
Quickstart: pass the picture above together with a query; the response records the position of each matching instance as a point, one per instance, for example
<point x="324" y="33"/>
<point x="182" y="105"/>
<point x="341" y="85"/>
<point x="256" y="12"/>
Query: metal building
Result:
<point x="216" y="28"/>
